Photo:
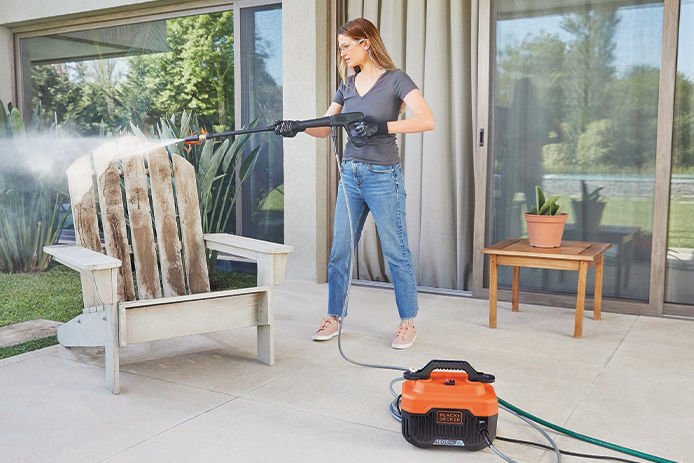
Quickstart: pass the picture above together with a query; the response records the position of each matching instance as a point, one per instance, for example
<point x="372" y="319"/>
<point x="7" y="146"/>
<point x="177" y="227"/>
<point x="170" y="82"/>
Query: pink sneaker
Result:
<point x="327" y="329"/>
<point x="404" y="337"/>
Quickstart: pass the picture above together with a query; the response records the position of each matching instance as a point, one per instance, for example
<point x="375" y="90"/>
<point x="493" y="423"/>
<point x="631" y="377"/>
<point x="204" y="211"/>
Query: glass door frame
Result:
<point x="663" y="166"/>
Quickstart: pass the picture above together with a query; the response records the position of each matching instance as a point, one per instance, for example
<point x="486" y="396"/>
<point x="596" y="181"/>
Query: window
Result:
<point x="575" y="111"/>
<point x="261" y="101"/>
<point x="100" y="80"/>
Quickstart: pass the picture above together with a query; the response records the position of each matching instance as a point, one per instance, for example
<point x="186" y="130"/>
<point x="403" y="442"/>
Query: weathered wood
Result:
<point x="80" y="177"/>
<point x="81" y="259"/>
<point x="141" y="232"/>
<point x="112" y="321"/>
<point x="165" y="219"/>
<point x="270" y="257"/>
<point x="107" y="280"/>
<point x="191" y="226"/>
<point x="113" y="221"/>
<point x="265" y="331"/>
<point x="181" y="317"/>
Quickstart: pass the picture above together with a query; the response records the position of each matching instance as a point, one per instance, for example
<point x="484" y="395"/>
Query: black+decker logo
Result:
<point x="449" y="417"/>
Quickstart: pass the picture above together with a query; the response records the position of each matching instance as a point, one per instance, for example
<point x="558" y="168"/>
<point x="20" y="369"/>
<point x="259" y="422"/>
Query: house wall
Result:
<point x="18" y="12"/>
<point x="306" y="80"/>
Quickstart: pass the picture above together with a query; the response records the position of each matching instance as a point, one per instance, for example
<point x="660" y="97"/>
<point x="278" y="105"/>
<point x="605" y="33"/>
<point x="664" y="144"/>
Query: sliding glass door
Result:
<point x="574" y="104"/>
<point x="680" y="254"/>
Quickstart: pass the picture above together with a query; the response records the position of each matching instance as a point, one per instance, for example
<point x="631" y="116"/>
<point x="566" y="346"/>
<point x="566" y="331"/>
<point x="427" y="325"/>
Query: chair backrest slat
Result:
<point x="191" y="226"/>
<point x="80" y="177"/>
<point x="166" y="225"/>
<point x="113" y="223"/>
<point x="156" y="248"/>
<point x="141" y="232"/>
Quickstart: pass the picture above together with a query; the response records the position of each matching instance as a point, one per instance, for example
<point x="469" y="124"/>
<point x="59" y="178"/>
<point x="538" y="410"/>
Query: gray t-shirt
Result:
<point x="382" y="102"/>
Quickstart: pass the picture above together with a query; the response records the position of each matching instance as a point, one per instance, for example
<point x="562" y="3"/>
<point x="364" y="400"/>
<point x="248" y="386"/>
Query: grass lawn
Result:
<point x="56" y="295"/>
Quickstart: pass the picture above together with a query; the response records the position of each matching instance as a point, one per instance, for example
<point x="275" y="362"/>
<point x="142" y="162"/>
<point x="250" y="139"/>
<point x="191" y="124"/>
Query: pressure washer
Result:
<point x="446" y="402"/>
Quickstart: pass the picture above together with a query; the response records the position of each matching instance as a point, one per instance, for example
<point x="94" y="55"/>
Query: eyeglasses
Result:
<point x="347" y="46"/>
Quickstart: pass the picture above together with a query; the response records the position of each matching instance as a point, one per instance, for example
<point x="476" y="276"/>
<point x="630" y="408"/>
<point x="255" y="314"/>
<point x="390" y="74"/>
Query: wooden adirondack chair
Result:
<point x="173" y="295"/>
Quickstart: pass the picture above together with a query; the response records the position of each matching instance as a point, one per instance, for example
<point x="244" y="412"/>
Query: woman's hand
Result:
<point x="287" y="128"/>
<point x="369" y="128"/>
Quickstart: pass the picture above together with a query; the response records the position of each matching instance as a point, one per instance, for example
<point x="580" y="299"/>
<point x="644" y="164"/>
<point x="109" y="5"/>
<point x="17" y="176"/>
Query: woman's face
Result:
<point x="351" y="50"/>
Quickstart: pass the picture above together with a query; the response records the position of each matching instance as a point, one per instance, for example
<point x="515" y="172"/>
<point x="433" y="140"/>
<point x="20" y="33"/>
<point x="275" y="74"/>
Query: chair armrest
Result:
<point x="270" y="257"/>
<point x="242" y="246"/>
<point x="81" y="259"/>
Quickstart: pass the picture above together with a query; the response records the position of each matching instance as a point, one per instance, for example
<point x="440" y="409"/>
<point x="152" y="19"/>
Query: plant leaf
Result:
<point x="248" y="164"/>
<point x="16" y="122"/>
<point x="539" y="197"/>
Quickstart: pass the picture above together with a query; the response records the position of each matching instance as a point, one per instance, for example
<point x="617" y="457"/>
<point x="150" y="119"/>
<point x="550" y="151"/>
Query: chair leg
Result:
<point x="266" y="344"/>
<point x="111" y="350"/>
<point x="266" y="332"/>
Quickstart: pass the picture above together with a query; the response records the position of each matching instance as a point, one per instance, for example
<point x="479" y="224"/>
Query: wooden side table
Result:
<point x="572" y="255"/>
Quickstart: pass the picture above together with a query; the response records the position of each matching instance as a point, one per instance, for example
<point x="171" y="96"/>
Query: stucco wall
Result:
<point x="5" y="65"/>
<point x="21" y="11"/>
<point x="306" y="82"/>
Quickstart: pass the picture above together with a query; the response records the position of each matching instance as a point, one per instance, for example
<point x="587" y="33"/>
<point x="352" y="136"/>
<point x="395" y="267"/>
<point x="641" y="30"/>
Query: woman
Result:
<point x="371" y="174"/>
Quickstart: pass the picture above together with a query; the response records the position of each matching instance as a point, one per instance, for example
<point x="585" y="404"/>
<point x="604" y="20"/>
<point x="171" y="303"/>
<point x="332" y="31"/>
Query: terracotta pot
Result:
<point x="545" y="231"/>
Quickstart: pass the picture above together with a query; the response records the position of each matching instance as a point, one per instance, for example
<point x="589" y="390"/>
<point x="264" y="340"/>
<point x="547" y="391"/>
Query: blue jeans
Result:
<point x="379" y="189"/>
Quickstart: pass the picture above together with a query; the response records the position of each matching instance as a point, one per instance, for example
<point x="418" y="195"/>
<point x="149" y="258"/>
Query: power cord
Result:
<point x="565" y="452"/>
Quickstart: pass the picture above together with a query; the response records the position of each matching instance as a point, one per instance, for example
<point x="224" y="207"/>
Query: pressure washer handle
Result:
<point x="336" y="120"/>
<point x="472" y="374"/>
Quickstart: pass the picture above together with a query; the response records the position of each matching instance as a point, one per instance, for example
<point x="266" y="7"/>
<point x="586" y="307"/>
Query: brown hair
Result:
<point x="362" y="28"/>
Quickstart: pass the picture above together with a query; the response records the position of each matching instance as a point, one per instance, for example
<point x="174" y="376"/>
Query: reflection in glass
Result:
<point x="99" y="80"/>
<point x="261" y="96"/>
<point x="575" y="110"/>
<point x="680" y="255"/>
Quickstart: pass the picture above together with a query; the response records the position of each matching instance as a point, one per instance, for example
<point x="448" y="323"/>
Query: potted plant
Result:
<point x="545" y="221"/>
<point x="588" y="210"/>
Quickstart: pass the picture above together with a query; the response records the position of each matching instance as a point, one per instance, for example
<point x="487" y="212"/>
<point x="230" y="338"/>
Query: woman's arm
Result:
<point x="422" y="119"/>
<point x="322" y="132"/>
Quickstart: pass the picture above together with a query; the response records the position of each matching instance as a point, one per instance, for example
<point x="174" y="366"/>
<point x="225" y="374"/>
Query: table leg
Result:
<point x="580" y="298"/>
<point x="514" y="300"/>
<point x="597" y="300"/>
<point x="493" y="268"/>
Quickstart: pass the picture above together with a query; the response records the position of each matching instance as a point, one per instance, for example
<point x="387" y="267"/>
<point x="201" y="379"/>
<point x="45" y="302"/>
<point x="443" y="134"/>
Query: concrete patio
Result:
<point x="206" y="398"/>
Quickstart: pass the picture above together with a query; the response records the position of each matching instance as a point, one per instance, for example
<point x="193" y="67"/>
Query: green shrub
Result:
<point x="30" y="205"/>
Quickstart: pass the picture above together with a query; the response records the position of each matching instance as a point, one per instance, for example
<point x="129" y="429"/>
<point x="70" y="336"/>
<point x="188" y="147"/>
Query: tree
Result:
<point x="197" y="74"/>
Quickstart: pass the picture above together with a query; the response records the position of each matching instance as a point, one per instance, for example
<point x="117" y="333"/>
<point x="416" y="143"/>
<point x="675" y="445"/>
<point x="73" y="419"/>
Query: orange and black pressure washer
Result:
<point x="449" y="408"/>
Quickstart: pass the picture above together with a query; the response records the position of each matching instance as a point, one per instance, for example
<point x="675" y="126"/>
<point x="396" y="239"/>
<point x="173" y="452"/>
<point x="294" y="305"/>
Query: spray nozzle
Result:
<point x="196" y="138"/>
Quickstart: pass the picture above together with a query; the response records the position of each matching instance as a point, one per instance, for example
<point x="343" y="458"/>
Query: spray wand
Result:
<point x="345" y="120"/>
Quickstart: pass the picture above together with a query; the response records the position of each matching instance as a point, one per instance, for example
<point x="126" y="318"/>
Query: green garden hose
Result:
<point x="585" y="438"/>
